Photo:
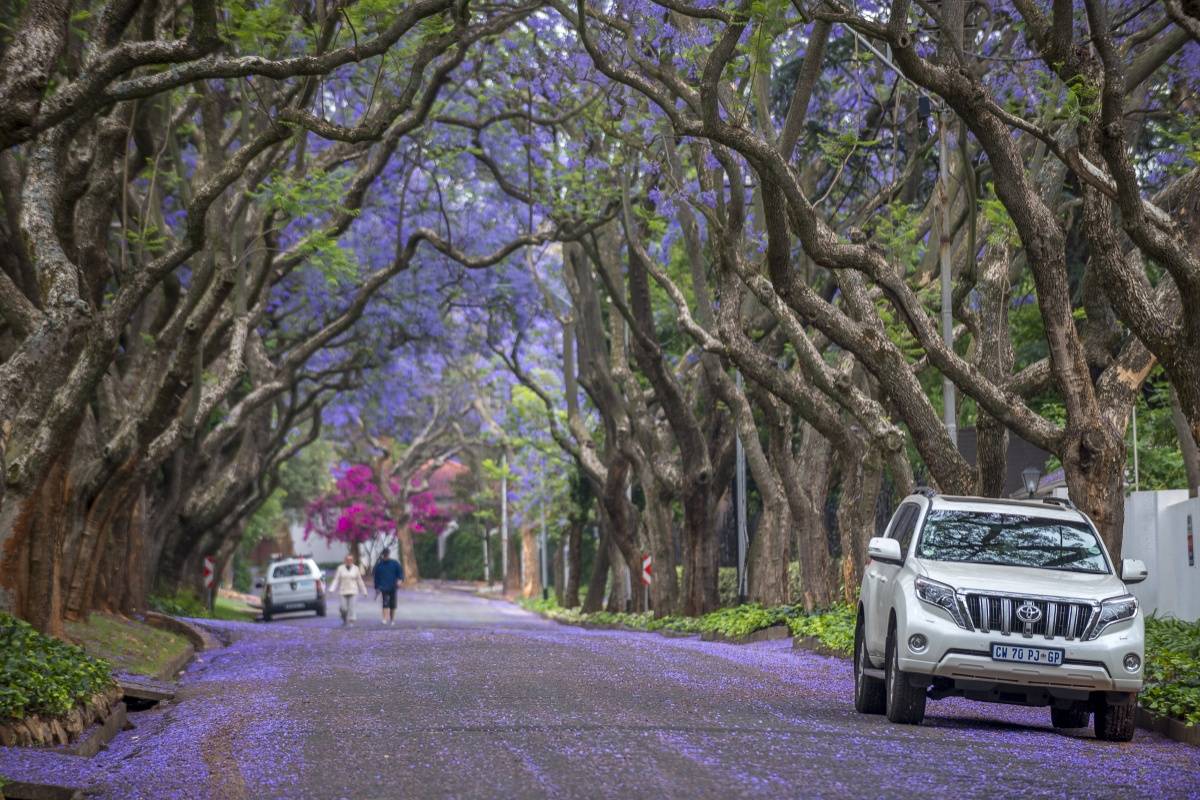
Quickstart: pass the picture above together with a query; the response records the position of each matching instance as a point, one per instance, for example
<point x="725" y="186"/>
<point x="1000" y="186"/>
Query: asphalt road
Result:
<point x="466" y="697"/>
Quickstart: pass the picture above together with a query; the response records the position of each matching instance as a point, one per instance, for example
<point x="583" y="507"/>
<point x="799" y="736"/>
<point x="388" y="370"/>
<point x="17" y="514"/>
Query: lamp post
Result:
<point x="742" y="536"/>
<point x="1032" y="476"/>
<point x="487" y="556"/>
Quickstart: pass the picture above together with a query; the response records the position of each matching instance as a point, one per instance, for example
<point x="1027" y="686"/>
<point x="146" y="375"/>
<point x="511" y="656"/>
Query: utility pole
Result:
<point x="1136" y="466"/>
<point x="545" y="543"/>
<point x="949" y="414"/>
<point x="943" y="196"/>
<point x="743" y="536"/>
<point x="487" y="557"/>
<point x="504" y="515"/>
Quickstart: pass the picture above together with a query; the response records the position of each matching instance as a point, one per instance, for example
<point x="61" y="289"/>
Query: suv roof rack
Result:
<point x="1026" y="502"/>
<point x="925" y="491"/>
<point x="1065" y="502"/>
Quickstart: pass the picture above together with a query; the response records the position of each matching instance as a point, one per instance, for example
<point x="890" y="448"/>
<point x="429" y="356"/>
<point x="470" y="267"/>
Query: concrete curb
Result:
<point x="20" y="790"/>
<point x="814" y="645"/>
<point x="201" y="639"/>
<point x="1171" y="728"/>
<point x="773" y="633"/>
<point x="171" y="670"/>
<point x="93" y="740"/>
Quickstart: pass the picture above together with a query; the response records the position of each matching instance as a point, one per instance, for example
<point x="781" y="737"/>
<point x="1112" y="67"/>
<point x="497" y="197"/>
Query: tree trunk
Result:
<point x="664" y="588"/>
<point x="104" y="529"/>
<point x="573" y="559"/>
<point x="512" y="577"/>
<point x="556" y="574"/>
<point x="595" y="593"/>
<point x="995" y="359"/>
<point x="531" y="583"/>
<point x="408" y="555"/>
<point x="1094" y="463"/>
<point x="701" y="555"/>
<point x="860" y="477"/>
<point x="767" y="582"/>
<point x="119" y="584"/>
<point x="818" y="572"/>
<point x="32" y="556"/>
<point x="621" y="586"/>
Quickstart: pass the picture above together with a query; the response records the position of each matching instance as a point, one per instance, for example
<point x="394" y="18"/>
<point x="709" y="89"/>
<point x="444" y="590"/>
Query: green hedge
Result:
<point x="42" y="675"/>
<point x="736" y="621"/>
<point x="833" y="628"/>
<point x="1173" y="669"/>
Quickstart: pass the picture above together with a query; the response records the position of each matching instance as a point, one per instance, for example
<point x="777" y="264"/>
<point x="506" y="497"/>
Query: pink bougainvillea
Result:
<point x="356" y="510"/>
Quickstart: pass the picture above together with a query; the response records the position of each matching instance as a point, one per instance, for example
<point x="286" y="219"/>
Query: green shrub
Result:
<point x="834" y="628"/>
<point x="743" y="620"/>
<point x="1173" y="669"/>
<point x="42" y="675"/>
<point x="184" y="603"/>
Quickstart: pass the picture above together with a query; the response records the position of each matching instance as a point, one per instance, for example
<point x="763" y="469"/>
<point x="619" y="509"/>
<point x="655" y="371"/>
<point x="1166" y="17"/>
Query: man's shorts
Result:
<point x="389" y="599"/>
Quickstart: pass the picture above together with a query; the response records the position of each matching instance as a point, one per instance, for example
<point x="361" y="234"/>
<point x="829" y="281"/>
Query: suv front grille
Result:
<point x="1057" y="618"/>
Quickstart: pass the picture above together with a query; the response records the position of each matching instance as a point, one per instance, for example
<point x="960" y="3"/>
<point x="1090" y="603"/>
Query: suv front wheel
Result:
<point x="905" y="702"/>
<point x="1114" y="722"/>
<point x="868" y="691"/>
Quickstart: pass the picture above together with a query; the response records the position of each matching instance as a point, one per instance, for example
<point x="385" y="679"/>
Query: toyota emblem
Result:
<point x="1028" y="613"/>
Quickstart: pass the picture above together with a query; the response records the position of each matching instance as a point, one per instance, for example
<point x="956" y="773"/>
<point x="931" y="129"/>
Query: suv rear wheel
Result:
<point x="869" y="697"/>
<point x="905" y="702"/>
<point x="1074" y="717"/>
<point x="1114" y="722"/>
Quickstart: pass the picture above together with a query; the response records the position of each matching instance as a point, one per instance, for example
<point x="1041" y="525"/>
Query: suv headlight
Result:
<point x="1114" y="610"/>
<point x="942" y="596"/>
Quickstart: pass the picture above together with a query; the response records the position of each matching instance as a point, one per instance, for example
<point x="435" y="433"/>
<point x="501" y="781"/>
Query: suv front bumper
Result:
<point x="965" y="656"/>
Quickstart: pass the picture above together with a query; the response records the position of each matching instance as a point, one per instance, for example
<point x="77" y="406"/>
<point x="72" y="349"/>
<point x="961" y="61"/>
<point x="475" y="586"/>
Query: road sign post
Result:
<point x="210" y="580"/>
<point x="647" y="575"/>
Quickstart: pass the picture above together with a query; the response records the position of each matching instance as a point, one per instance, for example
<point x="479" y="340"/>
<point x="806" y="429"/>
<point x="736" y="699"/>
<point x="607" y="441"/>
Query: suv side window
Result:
<point x="906" y="525"/>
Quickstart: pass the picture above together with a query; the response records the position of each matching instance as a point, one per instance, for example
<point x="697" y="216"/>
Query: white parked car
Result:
<point x="292" y="584"/>
<point x="1001" y="601"/>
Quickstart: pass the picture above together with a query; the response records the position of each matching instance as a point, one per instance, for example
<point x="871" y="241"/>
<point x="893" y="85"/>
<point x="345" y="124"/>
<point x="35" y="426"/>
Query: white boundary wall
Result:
<point x="1157" y="531"/>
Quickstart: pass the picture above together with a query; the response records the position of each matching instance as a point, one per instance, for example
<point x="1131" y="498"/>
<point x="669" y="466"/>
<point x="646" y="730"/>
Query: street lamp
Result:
<point x="1032" y="477"/>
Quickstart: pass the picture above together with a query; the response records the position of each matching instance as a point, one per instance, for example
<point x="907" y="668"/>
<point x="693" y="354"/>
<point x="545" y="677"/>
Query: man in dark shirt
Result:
<point x="388" y="575"/>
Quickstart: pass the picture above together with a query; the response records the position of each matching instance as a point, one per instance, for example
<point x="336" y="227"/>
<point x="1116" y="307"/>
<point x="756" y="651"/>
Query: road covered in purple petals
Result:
<point x="467" y="697"/>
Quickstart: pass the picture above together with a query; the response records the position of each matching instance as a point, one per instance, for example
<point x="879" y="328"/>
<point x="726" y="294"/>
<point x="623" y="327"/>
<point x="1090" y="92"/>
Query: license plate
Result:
<point x="294" y="605"/>
<point x="1048" y="656"/>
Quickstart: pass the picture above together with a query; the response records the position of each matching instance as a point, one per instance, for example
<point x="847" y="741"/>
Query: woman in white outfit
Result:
<point x="347" y="582"/>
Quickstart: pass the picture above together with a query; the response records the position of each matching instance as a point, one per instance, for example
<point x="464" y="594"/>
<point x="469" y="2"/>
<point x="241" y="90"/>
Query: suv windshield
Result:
<point x="296" y="569"/>
<point x="979" y="537"/>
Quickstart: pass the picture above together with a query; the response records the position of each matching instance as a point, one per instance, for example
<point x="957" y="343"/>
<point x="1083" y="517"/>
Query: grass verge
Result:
<point x="43" y="675"/>
<point x="129" y="645"/>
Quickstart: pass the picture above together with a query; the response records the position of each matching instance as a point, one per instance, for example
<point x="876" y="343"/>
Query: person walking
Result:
<point x="348" y="582"/>
<point x="388" y="575"/>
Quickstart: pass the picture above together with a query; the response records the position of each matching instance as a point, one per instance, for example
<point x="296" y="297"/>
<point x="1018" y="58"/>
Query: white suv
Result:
<point x="1002" y="601"/>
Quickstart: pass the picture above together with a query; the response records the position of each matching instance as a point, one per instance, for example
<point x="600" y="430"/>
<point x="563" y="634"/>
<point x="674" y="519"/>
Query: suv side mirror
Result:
<point x="885" y="550"/>
<point x="1133" y="570"/>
